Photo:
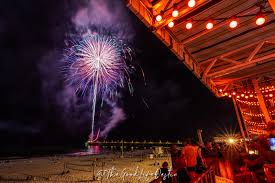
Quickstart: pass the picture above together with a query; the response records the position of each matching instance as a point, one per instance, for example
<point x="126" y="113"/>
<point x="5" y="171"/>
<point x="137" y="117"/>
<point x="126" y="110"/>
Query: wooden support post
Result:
<point x="245" y="126"/>
<point x="261" y="101"/>
<point x="240" y="122"/>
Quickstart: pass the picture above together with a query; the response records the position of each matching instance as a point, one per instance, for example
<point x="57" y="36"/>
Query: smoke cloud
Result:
<point x="107" y="14"/>
<point x="117" y="116"/>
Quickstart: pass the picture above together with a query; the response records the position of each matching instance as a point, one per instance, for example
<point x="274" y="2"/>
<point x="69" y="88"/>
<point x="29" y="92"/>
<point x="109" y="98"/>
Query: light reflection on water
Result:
<point x="95" y="149"/>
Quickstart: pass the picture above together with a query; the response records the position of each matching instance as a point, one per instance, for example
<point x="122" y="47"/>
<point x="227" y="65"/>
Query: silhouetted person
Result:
<point x="174" y="153"/>
<point x="165" y="173"/>
<point x="182" y="174"/>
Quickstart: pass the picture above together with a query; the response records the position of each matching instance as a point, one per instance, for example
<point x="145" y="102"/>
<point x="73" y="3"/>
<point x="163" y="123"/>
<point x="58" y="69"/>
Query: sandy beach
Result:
<point x="133" y="167"/>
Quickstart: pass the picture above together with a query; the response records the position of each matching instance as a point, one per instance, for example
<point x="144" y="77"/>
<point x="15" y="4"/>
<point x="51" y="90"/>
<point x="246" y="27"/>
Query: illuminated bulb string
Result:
<point x="253" y="115"/>
<point x="259" y="21"/>
<point x="248" y="103"/>
<point x="258" y="124"/>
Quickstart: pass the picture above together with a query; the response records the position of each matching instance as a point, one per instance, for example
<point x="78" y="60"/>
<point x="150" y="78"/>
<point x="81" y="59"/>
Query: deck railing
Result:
<point x="207" y="177"/>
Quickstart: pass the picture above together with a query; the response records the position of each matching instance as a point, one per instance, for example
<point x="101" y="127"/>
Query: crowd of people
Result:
<point x="188" y="163"/>
<point x="230" y="161"/>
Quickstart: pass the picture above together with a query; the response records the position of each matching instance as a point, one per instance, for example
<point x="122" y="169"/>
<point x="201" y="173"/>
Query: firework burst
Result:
<point x="98" y="66"/>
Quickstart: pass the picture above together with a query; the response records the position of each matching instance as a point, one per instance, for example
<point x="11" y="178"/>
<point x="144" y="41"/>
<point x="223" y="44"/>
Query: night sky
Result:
<point x="36" y="107"/>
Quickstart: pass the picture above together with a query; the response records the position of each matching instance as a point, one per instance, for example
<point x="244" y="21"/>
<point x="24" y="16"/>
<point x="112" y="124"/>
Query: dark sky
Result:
<point x="34" y="108"/>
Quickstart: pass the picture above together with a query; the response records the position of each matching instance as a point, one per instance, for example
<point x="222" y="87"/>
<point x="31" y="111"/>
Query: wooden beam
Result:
<point x="237" y="50"/>
<point x="167" y="5"/>
<point x="229" y="60"/>
<point x="240" y="66"/>
<point x="209" y="68"/>
<point x="271" y="42"/>
<point x="159" y="6"/>
<point x="261" y="101"/>
<point x="244" y="123"/>
<point x="255" y="51"/>
<point x="258" y="73"/>
<point x="146" y="3"/>
<point x="227" y="86"/>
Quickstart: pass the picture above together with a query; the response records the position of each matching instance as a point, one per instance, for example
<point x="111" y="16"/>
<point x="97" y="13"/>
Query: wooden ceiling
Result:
<point x="222" y="56"/>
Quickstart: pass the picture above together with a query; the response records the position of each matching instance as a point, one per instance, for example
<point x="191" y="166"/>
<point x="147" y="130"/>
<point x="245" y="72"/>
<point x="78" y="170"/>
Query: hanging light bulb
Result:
<point x="242" y="95"/>
<point x="171" y="24"/>
<point x="225" y="93"/>
<point x="229" y="96"/>
<point x="189" y="24"/>
<point x="233" y="23"/>
<point x="234" y="93"/>
<point x="159" y="18"/>
<point x="251" y="95"/>
<point x="209" y="25"/>
<point x="260" y="19"/>
<point x="191" y="3"/>
<point x="175" y="12"/>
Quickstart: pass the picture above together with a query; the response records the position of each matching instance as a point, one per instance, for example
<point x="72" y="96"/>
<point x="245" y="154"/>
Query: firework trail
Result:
<point x="98" y="66"/>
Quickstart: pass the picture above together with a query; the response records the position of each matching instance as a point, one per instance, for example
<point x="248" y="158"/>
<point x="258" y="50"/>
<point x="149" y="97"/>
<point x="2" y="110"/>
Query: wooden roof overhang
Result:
<point x="221" y="57"/>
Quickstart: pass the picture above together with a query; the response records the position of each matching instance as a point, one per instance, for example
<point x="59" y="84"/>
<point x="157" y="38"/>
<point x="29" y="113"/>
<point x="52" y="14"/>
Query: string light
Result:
<point x="252" y="114"/>
<point x="175" y="12"/>
<point x="189" y="24"/>
<point x="158" y="18"/>
<point x="248" y="103"/>
<point x="256" y="124"/>
<point x="209" y="25"/>
<point x="191" y="3"/>
<point x="260" y="19"/>
<point x="268" y="91"/>
<point x="272" y="112"/>
<point x="233" y="23"/>
<point x="171" y="24"/>
<point x="256" y="131"/>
